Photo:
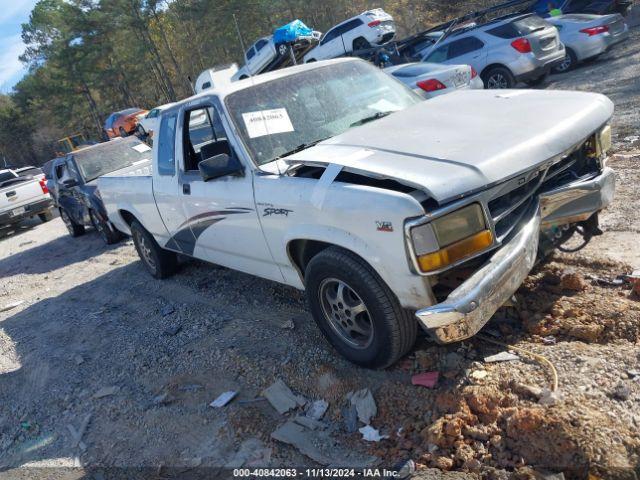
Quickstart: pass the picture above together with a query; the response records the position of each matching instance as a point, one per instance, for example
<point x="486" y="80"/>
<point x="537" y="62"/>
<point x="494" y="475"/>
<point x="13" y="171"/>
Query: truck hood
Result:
<point x="466" y="141"/>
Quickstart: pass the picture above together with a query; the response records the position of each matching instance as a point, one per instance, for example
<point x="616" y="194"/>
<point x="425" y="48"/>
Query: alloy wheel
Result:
<point x="565" y="65"/>
<point x="145" y="251"/>
<point x="346" y="313"/>
<point x="497" y="80"/>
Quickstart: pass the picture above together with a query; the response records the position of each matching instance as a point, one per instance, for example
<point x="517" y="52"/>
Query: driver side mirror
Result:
<point x="218" y="166"/>
<point x="70" y="182"/>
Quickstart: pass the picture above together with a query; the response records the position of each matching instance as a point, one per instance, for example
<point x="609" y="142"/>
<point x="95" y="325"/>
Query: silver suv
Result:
<point x="505" y="51"/>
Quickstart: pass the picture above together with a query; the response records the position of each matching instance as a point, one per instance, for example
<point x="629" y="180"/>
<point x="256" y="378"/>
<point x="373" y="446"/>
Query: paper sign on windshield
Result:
<point x="267" y="122"/>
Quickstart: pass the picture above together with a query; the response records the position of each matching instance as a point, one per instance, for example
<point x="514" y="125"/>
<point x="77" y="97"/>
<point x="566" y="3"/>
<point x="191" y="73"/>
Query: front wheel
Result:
<point x="74" y="229"/>
<point x="356" y="311"/>
<point x="160" y="263"/>
<point x="108" y="235"/>
<point x="498" y="78"/>
<point x="123" y="132"/>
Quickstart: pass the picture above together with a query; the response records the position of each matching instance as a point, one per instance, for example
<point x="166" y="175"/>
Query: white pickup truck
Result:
<point x="389" y="211"/>
<point x="23" y="195"/>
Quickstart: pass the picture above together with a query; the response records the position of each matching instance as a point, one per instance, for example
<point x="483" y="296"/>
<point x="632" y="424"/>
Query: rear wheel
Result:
<point x="45" y="216"/>
<point x="570" y="61"/>
<point x="283" y="49"/>
<point x="123" y="132"/>
<point x="356" y="311"/>
<point x="160" y="263"/>
<point x="75" y="230"/>
<point x="361" y="44"/>
<point x="108" y="235"/>
<point x="498" y="78"/>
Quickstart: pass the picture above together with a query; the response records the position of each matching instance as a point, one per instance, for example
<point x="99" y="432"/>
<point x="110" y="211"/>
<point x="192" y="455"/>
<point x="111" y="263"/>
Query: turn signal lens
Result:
<point x="456" y="252"/>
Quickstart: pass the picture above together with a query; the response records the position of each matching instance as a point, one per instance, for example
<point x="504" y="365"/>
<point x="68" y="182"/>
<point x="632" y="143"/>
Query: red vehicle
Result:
<point x="124" y="122"/>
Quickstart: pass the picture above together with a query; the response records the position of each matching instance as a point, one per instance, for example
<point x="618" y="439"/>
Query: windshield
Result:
<point x="110" y="156"/>
<point x="277" y="117"/>
<point x="129" y="111"/>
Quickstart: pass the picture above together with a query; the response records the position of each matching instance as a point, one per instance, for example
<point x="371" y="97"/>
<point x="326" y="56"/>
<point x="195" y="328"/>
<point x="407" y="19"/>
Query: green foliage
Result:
<point x="88" y="58"/>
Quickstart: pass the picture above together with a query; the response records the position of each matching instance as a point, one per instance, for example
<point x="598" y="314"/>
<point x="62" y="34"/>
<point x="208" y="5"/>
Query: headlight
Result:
<point x="451" y="238"/>
<point x="603" y="141"/>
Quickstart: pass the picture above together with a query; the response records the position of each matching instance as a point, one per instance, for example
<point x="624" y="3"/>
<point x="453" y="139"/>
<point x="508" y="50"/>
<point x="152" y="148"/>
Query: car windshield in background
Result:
<point x="281" y="116"/>
<point x="110" y="156"/>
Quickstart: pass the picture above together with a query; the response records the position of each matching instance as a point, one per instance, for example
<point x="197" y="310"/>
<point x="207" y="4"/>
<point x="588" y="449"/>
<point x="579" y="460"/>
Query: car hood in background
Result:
<point x="464" y="142"/>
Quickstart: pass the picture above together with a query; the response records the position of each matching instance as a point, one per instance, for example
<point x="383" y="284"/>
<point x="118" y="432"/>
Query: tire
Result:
<point x="570" y="61"/>
<point x="141" y="131"/>
<point x="360" y="44"/>
<point x="109" y="236"/>
<point x="498" y="77"/>
<point x="74" y="229"/>
<point x="380" y="333"/>
<point x="123" y="132"/>
<point x="45" y="216"/>
<point x="160" y="263"/>
<point x="537" y="81"/>
<point x="283" y="49"/>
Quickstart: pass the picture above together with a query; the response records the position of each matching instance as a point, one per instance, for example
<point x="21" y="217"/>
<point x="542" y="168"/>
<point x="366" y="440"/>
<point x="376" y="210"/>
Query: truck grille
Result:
<point x="507" y="209"/>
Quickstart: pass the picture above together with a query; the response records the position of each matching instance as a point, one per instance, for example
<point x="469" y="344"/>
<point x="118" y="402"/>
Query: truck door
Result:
<point x="166" y="189"/>
<point x="66" y="195"/>
<point x="221" y="212"/>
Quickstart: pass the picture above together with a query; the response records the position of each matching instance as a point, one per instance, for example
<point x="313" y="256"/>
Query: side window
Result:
<point x="330" y="35"/>
<point x="438" y="55"/>
<point x="206" y="85"/>
<point x="260" y="44"/>
<point x="204" y="137"/>
<point x="60" y="170"/>
<point x="250" y="53"/>
<point x="504" y="31"/>
<point x="73" y="171"/>
<point x="153" y="113"/>
<point x="464" y="46"/>
<point x="350" y="25"/>
<point x="166" y="145"/>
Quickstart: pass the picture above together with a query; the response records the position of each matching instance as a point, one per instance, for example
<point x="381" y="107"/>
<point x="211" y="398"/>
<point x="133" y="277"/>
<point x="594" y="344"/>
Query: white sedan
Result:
<point x="433" y="79"/>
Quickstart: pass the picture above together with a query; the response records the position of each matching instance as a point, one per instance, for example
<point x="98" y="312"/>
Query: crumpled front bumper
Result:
<point x="471" y="305"/>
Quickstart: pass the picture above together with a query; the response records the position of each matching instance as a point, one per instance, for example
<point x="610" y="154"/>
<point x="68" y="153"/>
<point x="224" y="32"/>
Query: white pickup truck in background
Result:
<point x="22" y="196"/>
<point x="388" y="210"/>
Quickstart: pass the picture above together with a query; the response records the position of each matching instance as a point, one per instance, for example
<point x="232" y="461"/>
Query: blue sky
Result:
<point x="13" y="13"/>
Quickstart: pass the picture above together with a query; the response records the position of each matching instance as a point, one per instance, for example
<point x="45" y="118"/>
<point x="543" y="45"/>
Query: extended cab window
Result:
<point x="204" y="137"/>
<point x="166" y="145"/>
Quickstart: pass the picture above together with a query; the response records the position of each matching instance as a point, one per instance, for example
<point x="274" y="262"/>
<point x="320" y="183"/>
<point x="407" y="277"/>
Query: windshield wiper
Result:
<point x="370" y="118"/>
<point x="299" y="148"/>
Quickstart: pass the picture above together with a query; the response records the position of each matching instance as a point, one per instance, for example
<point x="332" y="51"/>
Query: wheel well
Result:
<point x="302" y="251"/>
<point x="493" y="65"/>
<point x="127" y="216"/>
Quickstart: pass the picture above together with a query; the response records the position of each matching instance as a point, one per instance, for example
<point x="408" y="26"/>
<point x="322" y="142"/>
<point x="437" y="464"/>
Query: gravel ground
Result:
<point x="101" y="366"/>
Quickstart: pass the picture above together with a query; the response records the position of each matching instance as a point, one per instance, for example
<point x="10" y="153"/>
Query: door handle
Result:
<point x="186" y="189"/>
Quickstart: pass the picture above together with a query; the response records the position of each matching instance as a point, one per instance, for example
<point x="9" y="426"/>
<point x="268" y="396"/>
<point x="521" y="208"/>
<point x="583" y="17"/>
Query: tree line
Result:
<point x="89" y="58"/>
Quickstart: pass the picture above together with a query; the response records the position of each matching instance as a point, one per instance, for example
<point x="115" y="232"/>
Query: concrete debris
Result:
<point x="621" y="392"/>
<point x="632" y="374"/>
<point x="252" y="453"/>
<point x="12" y="305"/>
<point x="76" y="435"/>
<point x="106" y="391"/>
<point x="309" y="423"/>
<point x="350" y="416"/>
<point x="479" y="374"/>
<point x="320" y="446"/>
<point x="370" y="434"/>
<point x="191" y="387"/>
<point x="78" y="359"/>
<point x="282" y="398"/>
<point x="426" y="379"/>
<point x="528" y="390"/>
<point x="317" y="409"/>
<point x="549" y="398"/>
<point x="172" y="330"/>
<point x="631" y="138"/>
<point x="502" y="357"/>
<point x="364" y="403"/>
<point x="549" y="340"/>
<point x="223" y="399"/>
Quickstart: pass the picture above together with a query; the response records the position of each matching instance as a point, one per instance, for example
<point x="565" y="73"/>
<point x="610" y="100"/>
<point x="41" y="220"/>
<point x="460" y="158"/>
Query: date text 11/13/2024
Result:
<point x="316" y="473"/>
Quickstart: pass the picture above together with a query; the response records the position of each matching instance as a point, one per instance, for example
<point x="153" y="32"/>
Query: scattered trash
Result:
<point x="350" y="416"/>
<point x="288" y="325"/>
<point x="404" y="469"/>
<point x="621" y="392"/>
<point x="308" y="422"/>
<point x="251" y="400"/>
<point x="167" y="310"/>
<point x="25" y="425"/>
<point x="282" y="398"/>
<point x="426" y="379"/>
<point x="632" y="374"/>
<point x="317" y="409"/>
<point x="105" y="392"/>
<point x="548" y="397"/>
<point x="162" y="399"/>
<point x="172" y="330"/>
<point x="12" y="305"/>
<point x="76" y="435"/>
<point x="24" y="244"/>
<point x="320" y="446"/>
<point x="631" y="138"/>
<point x="502" y="357"/>
<point x="549" y="340"/>
<point x="479" y="374"/>
<point x="370" y="434"/>
<point x="252" y="453"/>
<point x="364" y="403"/>
<point x="223" y="399"/>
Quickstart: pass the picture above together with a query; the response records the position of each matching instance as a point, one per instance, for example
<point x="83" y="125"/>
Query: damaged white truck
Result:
<point x="390" y="211"/>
